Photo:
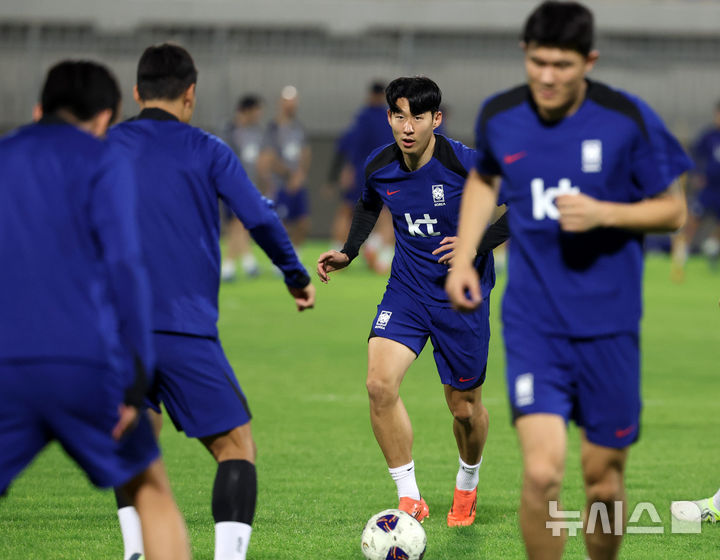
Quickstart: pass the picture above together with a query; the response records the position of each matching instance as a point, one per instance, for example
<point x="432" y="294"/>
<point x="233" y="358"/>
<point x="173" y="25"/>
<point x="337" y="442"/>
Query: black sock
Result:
<point x="234" y="492"/>
<point x="121" y="498"/>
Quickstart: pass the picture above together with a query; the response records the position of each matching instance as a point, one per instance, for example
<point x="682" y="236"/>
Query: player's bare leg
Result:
<point x="388" y="361"/>
<point x="543" y="441"/>
<point x="603" y="470"/>
<point x="470" y="426"/>
<point x="341" y="224"/>
<point x="470" y="421"/>
<point x="163" y="528"/>
<point x="130" y="526"/>
<point x="234" y="490"/>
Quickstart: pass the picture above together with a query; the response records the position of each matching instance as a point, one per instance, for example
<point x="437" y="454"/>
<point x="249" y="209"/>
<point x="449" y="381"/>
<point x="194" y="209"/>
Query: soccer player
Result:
<point x="707" y="509"/>
<point x="585" y="169"/>
<point x="245" y="136"/>
<point x="284" y="165"/>
<point x="67" y="204"/>
<point x="419" y="178"/>
<point x="368" y="131"/>
<point x="181" y="172"/>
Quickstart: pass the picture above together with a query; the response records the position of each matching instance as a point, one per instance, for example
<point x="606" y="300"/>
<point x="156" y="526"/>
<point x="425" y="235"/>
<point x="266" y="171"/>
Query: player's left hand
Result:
<point x="447" y="246"/>
<point x="579" y="212"/>
<point x="129" y="416"/>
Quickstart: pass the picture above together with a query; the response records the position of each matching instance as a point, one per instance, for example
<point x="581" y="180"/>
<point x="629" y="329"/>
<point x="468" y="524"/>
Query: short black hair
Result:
<point x="567" y="25"/>
<point x="421" y="92"/>
<point x="165" y="72"/>
<point x="248" y="101"/>
<point x="81" y="87"/>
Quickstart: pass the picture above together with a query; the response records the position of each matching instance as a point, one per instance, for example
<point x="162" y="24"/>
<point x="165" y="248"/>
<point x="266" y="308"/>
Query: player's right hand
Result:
<point x="304" y="297"/>
<point x="331" y="261"/>
<point x="463" y="287"/>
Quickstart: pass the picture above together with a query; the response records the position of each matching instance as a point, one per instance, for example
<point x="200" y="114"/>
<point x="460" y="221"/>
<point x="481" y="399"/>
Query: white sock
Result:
<point x="468" y="475"/>
<point x="716" y="500"/>
<point x="131" y="531"/>
<point x="404" y="478"/>
<point x="231" y="540"/>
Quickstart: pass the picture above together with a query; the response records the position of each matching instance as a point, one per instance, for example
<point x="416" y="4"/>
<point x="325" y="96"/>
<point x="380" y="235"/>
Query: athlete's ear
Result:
<point x="437" y="119"/>
<point x="37" y="112"/>
<point x="189" y="96"/>
<point x="136" y="95"/>
<point x="389" y="117"/>
<point x="591" y="59"/>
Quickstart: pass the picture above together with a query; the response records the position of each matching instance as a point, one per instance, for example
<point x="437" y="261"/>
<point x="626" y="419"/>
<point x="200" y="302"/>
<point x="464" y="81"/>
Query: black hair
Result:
<point x="249" y="101"/>
<point x="82" y="88"/>
<point x="165" y="72"/>
<point x="422" y="94"/>
<point x="567" y="25"/>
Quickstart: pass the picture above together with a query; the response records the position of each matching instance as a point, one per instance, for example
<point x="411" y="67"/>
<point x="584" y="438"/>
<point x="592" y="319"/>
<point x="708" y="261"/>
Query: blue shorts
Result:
<point x="77" y="405"/>
<point x="291" y="206"/>
<point x="195" y="382"/>
<point x="593" y="381"/>
<point x="460" y="340"/>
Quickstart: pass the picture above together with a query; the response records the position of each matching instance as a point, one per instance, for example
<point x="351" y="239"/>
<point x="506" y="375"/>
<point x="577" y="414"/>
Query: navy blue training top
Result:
<point x="425" y="206"/>
<point x="72" y="285"/>
<point x="181" y="171"/>
<point x="613" y="148"/>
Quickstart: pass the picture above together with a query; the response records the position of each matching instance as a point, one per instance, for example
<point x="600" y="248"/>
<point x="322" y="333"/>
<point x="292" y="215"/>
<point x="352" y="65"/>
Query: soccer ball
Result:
<point x="393" y="535"/>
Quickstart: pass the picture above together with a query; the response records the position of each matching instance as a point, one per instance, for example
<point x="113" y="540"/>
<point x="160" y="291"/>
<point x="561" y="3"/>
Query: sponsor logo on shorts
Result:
<point x="525" y="389"/>
<point x="466" y="379"/>
<point x="383" y="319"/>
<point x="625" y="432"/>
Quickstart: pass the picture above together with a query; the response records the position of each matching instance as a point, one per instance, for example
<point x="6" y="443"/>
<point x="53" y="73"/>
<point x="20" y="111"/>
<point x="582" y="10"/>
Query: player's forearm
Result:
<point x="478" y="203"/>
<point x="664" y="213"/>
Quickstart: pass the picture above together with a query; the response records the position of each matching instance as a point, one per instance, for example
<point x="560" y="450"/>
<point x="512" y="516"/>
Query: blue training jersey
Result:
<point x="181" y="171"/>
<point x="613" y="148"/>
<point x="73" y="286"/>
<point x="425" y="206"/>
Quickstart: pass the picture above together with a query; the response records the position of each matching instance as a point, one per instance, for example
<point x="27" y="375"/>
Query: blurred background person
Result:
<point x="244" y="134"/>
<point x="369" y="130"/>
<point x="284" y="164"/>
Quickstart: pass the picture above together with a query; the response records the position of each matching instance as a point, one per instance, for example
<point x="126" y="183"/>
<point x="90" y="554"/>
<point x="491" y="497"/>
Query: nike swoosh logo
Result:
<point x="466" y="379"/>
<point x="390" y="193"/>
<point x="512" y="158"/>
<point x="626" y="432"/>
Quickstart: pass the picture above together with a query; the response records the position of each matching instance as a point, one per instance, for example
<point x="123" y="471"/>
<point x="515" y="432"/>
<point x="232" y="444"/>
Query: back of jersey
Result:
<point x="178" y="217"/>
<point x="54" y="288"/>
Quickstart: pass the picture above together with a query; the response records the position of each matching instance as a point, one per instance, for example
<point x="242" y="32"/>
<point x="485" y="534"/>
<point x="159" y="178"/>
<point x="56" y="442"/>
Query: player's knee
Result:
<point x="604" y="485"/>
<point x="543" y="479"/>
<point x="380" y="392"/>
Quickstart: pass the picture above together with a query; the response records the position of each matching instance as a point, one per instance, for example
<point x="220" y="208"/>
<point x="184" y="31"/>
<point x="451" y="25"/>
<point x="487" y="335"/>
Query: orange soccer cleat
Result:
<point x="417" y="508"/>
<point x="462" y="512"/>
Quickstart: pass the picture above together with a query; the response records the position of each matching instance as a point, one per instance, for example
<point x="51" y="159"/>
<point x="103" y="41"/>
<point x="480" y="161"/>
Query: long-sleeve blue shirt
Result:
<point x="181" y="171"/>
<point x="72" y="285"/>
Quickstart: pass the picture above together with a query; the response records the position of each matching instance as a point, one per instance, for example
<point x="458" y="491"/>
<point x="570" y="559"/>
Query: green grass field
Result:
<point x="321" y="474"/>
